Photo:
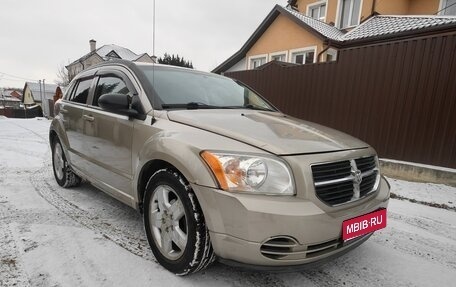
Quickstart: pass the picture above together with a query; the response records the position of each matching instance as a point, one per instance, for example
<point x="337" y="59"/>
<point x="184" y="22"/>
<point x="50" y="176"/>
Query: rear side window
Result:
<point x="82" y="91"/>
<point x="108" y="85"/>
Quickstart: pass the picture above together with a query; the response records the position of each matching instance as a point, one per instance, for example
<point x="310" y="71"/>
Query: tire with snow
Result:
<point x="175" y="225"/>
<point x="63" y="174"/>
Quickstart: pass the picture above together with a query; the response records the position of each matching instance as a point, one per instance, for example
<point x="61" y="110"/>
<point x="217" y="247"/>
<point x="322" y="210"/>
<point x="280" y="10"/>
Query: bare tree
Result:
<point x="63" y="76"/>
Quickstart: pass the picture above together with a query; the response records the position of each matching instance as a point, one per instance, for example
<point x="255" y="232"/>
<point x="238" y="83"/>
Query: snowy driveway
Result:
<point x="50" y="236"/>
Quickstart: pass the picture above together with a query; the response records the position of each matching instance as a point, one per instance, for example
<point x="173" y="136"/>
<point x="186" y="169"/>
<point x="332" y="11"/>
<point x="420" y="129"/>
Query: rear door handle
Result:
<point x="88" y="118"/>
<point x="63" y="111"/>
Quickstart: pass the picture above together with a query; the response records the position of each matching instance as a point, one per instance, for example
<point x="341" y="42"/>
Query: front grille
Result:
<point x="331" y="171"/>
<point x="365" y="164"/>
<point x="335" y="193"/>
<point x="338" y="182"/>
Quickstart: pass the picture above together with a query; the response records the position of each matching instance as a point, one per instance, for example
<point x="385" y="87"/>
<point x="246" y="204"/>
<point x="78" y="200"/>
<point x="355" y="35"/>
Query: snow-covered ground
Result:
<point x="50" y="236"/>
<point x="430" y="194"/>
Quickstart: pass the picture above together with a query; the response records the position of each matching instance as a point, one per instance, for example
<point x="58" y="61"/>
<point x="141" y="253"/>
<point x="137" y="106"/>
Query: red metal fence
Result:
<point x="400" y="97"/>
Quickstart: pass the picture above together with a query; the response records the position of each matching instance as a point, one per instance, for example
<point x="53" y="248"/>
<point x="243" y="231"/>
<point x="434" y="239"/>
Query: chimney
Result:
<point x="93" y="45"/>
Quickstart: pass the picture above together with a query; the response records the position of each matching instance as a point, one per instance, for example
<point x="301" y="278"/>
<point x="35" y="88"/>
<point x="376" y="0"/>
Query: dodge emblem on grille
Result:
<point x="357" y="176"/>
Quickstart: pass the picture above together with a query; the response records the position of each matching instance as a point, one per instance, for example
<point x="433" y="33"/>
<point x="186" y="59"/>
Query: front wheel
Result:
<point x="175" y="225"/>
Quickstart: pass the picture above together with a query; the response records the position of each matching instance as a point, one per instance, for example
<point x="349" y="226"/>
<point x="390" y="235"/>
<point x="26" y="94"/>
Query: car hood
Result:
<point x="270" y="131"/>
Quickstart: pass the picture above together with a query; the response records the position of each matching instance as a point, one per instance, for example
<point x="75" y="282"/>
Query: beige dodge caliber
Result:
<point x="217" y="171"/>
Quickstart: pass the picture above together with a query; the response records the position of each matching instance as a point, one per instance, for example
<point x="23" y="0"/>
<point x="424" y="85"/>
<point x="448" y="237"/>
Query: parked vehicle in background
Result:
<point x="217" y="171"/>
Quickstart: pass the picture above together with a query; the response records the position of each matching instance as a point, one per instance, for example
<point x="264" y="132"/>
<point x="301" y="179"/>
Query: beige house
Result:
<point x="310" y="31"/>
<point x="104" y="53"/>
<point x="37" y="94"/>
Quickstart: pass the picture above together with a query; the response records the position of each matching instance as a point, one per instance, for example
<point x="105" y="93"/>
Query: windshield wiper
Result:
<point x="197" y="105"/>
<point x="259" y="108"/>
<point x="190" y="106"/>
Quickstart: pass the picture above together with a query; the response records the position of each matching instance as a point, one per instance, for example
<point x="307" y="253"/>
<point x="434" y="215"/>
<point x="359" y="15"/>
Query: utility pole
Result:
<point x="46" y="103"/>
<point x="1" y="91"/>
<point x="3" y="97"/>
<point x="41" y="96"/>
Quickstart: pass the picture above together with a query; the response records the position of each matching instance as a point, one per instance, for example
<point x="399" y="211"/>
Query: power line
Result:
<point x="16" y="80"/>
<point x="22" y="78"/>
<point x="445" y="8"/>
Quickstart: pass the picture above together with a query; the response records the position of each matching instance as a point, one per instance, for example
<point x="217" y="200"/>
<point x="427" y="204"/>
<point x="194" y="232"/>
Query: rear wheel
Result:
<point x="175" y="225"/>
<point x="63" y="174"/>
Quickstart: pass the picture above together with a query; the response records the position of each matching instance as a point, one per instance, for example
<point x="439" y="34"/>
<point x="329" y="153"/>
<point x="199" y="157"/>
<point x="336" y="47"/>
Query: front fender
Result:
<point x="175" y="150"/>
<point x="179" y="145"/>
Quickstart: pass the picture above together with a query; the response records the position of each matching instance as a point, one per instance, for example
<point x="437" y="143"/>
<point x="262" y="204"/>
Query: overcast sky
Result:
<point x="38" y="36"/>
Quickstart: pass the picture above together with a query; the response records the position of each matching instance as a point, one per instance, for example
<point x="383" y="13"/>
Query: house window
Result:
<point x="350" y="13"/>
<point x="278" y="56"/>
<point x="304" y="56"/>
<point x="257" y="61"/>
<point x="317" y="10"/>
<point x="447" y="7"/>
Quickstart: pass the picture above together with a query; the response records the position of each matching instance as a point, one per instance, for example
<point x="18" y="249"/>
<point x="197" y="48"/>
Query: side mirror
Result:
<point x="117" y="103"/>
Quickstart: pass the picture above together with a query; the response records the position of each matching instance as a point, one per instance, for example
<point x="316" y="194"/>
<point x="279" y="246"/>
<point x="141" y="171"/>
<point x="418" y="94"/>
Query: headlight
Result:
<point x="250" y="173"/>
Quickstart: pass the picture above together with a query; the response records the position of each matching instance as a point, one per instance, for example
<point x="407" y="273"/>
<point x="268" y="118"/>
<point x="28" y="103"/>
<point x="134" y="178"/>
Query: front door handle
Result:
<point x="63" y="111"/>
<point x="88" y="118"/>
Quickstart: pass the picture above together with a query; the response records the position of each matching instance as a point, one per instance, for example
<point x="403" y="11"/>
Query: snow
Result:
<point x="50" y="236"/>
<point x="427" y="193"/>
<point x="441" y="168"/>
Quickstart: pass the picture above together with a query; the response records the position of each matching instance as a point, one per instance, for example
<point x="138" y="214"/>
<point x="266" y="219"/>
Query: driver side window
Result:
<point x="81" y="93"/>
<point x="108" y="85"/>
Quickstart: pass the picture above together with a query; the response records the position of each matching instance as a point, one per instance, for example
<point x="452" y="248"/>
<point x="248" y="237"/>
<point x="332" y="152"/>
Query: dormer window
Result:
<point x="112" y="54"/>
<point x="349" y="13"/>
<point x="317" y="10"/>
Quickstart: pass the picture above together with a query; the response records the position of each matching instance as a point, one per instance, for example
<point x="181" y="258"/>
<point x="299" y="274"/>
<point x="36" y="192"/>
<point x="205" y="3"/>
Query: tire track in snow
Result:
<point x="403" y="235"/>
<point x="39" y="180"/>
<point x="133" y="244"/>
<point x="11" y="271"/>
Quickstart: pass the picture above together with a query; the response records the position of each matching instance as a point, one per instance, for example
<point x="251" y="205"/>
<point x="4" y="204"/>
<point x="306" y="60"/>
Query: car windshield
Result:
<point x="187" y="89"/>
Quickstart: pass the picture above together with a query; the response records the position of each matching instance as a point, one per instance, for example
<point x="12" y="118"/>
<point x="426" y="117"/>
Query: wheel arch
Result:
<point x="170" y="151"/>
<point x="148" y="169"/>
<point x="52" y="136"/>
<point x="57" y="130"/>
<point x="154" y="165"/>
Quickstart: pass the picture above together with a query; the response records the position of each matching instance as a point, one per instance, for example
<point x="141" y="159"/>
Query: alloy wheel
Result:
<point x="168" y="222"/>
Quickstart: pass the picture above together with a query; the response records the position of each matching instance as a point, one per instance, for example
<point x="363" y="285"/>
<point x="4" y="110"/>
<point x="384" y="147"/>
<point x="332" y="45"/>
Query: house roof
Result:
<point x="106" y="52"/>
<point x="9" y="99"/>
<point x="382" y="25"/>
<point x="275" y="12"/>
<point x="10" y="92"/>
<point x="322" y="28"/>
<point x="49" y="90"/>
<point x="377" y="26"/>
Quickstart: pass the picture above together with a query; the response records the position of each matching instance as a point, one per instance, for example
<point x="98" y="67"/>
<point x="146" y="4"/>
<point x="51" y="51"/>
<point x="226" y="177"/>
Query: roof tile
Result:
<point x="385" y="25"/>
<point x="323" y="28"/>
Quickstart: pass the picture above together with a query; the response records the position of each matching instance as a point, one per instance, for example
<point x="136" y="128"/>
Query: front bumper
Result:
<point x="239" y="225"/>
<point x="303" y="265"/>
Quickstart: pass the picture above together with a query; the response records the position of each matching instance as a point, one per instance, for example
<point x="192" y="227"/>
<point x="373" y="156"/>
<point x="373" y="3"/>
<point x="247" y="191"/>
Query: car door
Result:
<point x="109" y="137"/>
<point x="72" y="111"/>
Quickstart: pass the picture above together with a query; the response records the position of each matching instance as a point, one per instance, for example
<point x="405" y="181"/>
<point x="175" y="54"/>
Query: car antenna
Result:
<point x="154" y="59"/>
